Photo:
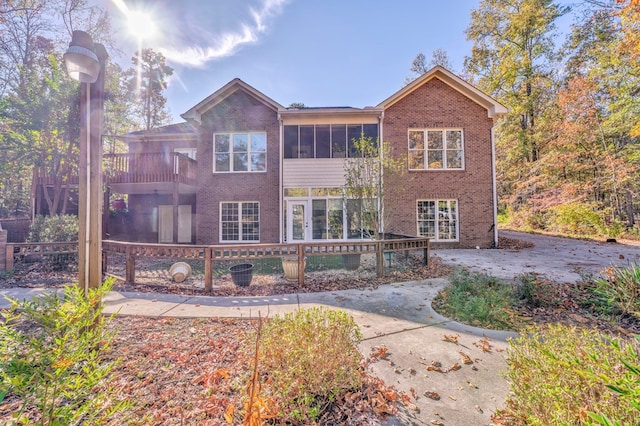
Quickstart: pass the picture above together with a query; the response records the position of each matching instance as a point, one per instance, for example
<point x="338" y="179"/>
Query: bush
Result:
<point x="559" y="374"/>
<point x="50" y="359"/>
<point x="53" y="229"/>
<point x="309" y="358"/>
<point x="618" y="293"/>
<point x="524" y="218"/>
<point x="477" y="299"/>
<point x="626" y="385"/>
<point x="534" y="290"/>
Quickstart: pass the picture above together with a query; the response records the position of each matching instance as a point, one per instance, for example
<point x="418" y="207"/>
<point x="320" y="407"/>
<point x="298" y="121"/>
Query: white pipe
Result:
<point x="495" y="190"/>
<point x="88" y="189"/>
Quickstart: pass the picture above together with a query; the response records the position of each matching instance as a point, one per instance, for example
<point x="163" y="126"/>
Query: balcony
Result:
<point x="141" y="173"/>
<point x="149" y="168"/>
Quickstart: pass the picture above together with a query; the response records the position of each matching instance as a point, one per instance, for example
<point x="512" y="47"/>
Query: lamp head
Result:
<point x="80" y="58"/>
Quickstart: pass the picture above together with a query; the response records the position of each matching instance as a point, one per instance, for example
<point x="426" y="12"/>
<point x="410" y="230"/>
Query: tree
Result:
<point x="367" y="177"/>
<point x="420" y="66"/>
<point x="513" y="59"/>
<point x="602" y="78"/>
<point x="148" y="81"/>
<point x="38" y="102"/>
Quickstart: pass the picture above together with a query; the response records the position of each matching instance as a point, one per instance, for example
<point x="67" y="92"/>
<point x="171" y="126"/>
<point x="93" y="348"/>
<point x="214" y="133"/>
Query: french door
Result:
<point x="298" y="221"/>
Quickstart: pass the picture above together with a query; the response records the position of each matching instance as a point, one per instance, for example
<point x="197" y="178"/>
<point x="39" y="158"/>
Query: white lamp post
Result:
<point x="85" y="62"/>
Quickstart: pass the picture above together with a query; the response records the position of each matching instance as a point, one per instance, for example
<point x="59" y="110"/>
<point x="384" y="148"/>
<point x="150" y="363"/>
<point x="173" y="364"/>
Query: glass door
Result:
<point x="297" y="221"/>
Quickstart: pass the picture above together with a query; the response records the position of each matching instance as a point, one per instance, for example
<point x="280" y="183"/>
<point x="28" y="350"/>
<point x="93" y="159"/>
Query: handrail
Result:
<point x="141" y="168"/>
<point x="213" y="253"/>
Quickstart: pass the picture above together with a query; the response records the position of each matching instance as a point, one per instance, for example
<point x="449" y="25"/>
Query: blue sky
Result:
<point x="318" y="52"/>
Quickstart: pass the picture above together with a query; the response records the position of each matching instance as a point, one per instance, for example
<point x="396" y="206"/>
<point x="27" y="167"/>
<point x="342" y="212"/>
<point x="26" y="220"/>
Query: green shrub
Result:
<point x="575" y="218"/>
<point x="534" y="290"/>
<point x="50" y="359"/>
<point x="618" y="293"/>
<point x="53" y="229"/>
<point x="559" y="374"/>
<point x="524" y="218"/>
<point x="309" y="358"/>
<point x="477" y="299"/>
<point x="626" y="385"/>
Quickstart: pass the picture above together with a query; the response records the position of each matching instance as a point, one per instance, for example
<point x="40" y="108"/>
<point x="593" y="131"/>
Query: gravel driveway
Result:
<point x="559" y="259"/>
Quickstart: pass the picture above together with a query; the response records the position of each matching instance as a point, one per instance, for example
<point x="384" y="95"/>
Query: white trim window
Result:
<point x="436" y="149"/>
<point x="240" y="221"/>
<point x="240" y="152"/>
<point x="438" y="219"/>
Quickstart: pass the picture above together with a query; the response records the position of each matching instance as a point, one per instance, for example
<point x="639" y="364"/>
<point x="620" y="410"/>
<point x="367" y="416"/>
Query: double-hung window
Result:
<point x="239" y="221"/>
<point x="240" y="152"/>
<point x="436" y="149"/>
<point x="438" y="219"/>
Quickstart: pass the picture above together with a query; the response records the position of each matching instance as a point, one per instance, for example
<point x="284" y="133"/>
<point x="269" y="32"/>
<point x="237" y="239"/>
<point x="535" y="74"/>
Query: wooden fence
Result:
<point x="211" y="254"/>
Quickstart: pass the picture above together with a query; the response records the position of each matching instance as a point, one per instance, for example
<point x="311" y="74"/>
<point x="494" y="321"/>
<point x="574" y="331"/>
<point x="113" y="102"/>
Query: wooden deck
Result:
<point x="139" y="168"/>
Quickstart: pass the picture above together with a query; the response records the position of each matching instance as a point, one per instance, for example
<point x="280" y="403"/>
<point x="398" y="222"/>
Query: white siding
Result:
<point x="313" y="172"/>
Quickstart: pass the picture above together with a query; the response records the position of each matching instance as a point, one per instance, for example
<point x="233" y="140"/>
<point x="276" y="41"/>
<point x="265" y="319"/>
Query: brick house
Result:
<point x="245" y="169"/>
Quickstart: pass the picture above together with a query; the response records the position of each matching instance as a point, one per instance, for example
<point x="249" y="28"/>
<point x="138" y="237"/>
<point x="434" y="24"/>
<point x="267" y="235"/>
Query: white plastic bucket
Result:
<point x="180" y="271"/>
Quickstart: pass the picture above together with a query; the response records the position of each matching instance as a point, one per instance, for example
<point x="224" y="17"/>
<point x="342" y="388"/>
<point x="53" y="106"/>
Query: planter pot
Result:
<point x="290" y="267"/>
<point x="351" y="261"/>
<point x="242" y="274"/>
<point x="180" y="271"/>
<point x="119" y="205"/>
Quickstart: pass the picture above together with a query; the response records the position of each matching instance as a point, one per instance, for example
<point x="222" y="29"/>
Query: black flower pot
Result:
<point x="242" y="274"/>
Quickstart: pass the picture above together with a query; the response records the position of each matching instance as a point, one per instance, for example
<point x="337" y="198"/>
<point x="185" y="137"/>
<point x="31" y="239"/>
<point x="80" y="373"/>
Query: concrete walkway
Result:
<point x="396" y="317"/>
<point x="399" y="318"/>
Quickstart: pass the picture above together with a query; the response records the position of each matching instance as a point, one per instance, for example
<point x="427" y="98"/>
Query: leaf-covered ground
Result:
<point x="191" y="371"/>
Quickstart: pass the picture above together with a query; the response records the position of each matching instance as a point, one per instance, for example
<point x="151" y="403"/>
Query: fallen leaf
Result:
<point x="452" y="338"/>
<point x="433" y="395"/>
<point x="228" y="414"/>
<point x="466" y="359"/>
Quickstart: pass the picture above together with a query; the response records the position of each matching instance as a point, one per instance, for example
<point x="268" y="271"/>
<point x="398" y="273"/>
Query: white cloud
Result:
<point x="228" y="43"/>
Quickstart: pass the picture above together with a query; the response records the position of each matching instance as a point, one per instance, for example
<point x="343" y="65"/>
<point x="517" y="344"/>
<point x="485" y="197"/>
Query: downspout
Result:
<point x="381" y="179"/>
<point x="280" y="177"/>
<point x="494" y="188"/>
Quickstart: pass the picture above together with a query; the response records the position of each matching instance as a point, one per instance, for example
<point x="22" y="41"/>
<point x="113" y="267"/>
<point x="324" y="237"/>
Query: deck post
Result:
<point x="380" y="258"/>
<point x="130" y="274"/>
<point x="9" y="257"/>
<point x="208" y="270"/>
<point x="427" y="252"/>
<point x="300" y="264"/>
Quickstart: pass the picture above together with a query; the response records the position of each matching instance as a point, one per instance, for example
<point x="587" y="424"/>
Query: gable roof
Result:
<point x="195" y="113"/>
<point x="494" y="108"/>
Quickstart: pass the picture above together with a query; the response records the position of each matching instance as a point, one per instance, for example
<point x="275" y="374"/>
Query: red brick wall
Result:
<point x="239" y="112"/>
<point x="437" y="105"/>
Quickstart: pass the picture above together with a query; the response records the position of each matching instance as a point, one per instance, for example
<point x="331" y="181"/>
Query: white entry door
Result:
<point x="297" y="221"/>
<point x="184" y="224"/>
<point x="165" y="224"/>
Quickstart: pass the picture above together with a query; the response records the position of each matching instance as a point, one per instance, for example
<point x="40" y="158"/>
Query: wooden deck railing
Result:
<point x="149" y="167"/>
<point x="211" y="254"/>
<point x="23" y="250"/>
<point x="141" y="168"/>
